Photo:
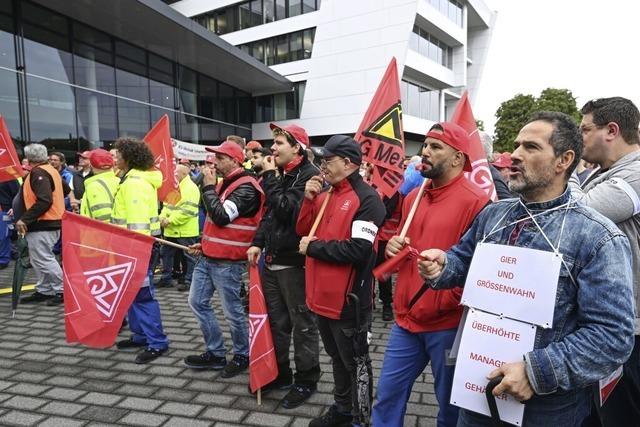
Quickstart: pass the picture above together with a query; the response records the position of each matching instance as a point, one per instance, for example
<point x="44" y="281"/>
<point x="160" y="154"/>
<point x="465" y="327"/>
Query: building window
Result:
<point x="449" y="8"/>
<point x="253" y="13"/>
<point x="431" y="47"/>
<point x="281" y="106"/>
<point x="283" y="48"/>
<point x="420" y="101"/>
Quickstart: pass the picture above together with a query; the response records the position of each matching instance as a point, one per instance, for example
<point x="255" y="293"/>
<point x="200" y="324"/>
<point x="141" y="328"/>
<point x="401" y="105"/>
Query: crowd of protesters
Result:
<point x="316" y="227"/>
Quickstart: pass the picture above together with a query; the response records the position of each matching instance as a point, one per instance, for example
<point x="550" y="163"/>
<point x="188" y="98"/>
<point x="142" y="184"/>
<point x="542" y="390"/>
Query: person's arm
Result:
<point x="244" y="201"/>
<point x="284" y="203"/>
<point x="604" y="338"/>
<point x="617" y="198"/>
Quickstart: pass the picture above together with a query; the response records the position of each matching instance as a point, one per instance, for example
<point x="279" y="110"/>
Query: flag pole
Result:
<point x="316" y="223"/>
<point x="168" y="243"/>
<point x="413" y="210"/>
<point x="259" y="394"/>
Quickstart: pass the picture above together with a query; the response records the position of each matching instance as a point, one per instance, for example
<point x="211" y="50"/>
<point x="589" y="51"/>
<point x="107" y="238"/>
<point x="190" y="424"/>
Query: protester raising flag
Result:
<point x="263" y="366"/>
<point x="104" y="266"/>
<point x="10" y="167"/>
<point x="480" y="174"/>
<point x="159" y="140"/>
<point x="380" y="134"/>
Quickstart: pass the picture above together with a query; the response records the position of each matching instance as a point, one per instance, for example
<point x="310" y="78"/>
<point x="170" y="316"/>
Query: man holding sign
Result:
<point x="592" y="326"/>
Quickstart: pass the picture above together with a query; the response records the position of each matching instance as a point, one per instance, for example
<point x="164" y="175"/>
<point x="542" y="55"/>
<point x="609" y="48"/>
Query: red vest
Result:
<point x="232" y="240"/>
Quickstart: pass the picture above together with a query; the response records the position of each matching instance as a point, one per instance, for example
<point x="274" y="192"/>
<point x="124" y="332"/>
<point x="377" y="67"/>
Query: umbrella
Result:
<point x="364" y="373"/>
<point x="22" y="263"/>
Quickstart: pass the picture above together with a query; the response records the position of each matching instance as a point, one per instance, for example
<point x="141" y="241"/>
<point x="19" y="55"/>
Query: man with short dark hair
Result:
<point x="592" y="328"/>
<point x="610" y="134"/>
<point x="340" y="260"/>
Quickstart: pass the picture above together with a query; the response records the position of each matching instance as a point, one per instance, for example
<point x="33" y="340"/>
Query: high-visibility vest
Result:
<point x="232" y="240"/>
<point x="135" y="204"/>
<point x="98" y="198"/>
<point x="57" y="207"/>
<point x="183" y="217"/>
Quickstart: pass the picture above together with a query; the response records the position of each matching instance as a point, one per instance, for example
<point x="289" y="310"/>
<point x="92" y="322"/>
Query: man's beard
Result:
<point x="434" y="171"/>
<point x="526" y="184"/>
<point x="257" y="169"/>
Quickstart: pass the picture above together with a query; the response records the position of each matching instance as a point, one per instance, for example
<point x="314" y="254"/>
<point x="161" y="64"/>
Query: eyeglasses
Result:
<point x="324" y="163"/>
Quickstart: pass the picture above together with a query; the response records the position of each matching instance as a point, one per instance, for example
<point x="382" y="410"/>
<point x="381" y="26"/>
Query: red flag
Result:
<point x="481" y="174"/>
<point x="391" y="265"/>
<point x="10" y="167"/>
<point x="380" y="134"/>
<point x="104" y="266"/>
<point x="263" y="366"/>
<point x="159" y="140"/>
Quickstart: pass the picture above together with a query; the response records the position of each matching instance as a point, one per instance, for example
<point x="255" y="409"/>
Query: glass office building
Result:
<point x="72" y="86"/>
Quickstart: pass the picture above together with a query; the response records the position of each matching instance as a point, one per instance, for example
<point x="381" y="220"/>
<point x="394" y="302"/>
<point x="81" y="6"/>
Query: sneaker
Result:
<point x="237" y="365"/>
<point x="130" y="345"/>
<point x="387" y="313"/>
<point x="148" y="355"/>
<point x="332" y="418"/>
<point x="298" y="394"/>
<point x="277" y="384"/>
<point x="206" y="360"/>
<point x="57" y="299"/>
<point x="163" y="284"/>
<point x="183" y="287"/>
<point x="35" y="297"/>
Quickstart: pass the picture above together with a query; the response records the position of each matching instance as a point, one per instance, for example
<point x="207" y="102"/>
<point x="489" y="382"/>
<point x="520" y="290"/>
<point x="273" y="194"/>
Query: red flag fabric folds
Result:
<point x="159" y="140"/>
<point x="392" y="265"/>
<point x="10" y="167"/>
<point x="263" y="366"/>
<point x="104" y="266"/>
<point x="380" y="134"/>
<point x="481" y="174"/>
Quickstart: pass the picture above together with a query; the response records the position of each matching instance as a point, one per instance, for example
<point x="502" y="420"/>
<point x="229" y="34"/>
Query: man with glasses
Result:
<point x="610" y="134"/>
<point x="340" y="259"/>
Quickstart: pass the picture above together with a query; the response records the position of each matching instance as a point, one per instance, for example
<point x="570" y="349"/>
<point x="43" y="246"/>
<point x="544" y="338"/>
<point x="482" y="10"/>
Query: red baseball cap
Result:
<point x="211" y="158"/>
<point x="253" y="144"/>
<point x="503" y="160"/>
<point x="84" y="154"/>
<point x="101" y="159"/>
<point x="454" y="136"/>
<point x="298" y="133"/>
<point x="230" y="149"/>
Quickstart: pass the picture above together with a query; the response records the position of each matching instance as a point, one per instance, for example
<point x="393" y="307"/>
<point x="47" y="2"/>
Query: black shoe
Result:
<point x="237" y="365"/>
<point x="57" y="299"/>
<point x="130" y="345"/>
<point x="298" y="394"/>
<point x="387" y="313"/>
<point x="35" y="297"/>
<point x="332" y="418"/>
<point x="206" y="360"/>
<point x="183" y="287"/>
<point x="163" y="284"/>
<point x="277" y="384"/>
<point x="148" y="355"/>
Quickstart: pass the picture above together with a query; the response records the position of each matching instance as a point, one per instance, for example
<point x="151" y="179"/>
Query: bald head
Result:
<point x="182" y="171"/>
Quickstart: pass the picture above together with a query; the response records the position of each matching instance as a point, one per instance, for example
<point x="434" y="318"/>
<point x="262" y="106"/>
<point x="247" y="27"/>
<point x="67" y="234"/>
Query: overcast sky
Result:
<point x="590" y="47"/>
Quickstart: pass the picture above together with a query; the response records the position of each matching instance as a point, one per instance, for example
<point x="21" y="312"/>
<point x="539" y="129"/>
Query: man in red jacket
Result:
<point x="426" y="320"/>
<point x="340" y="258"/>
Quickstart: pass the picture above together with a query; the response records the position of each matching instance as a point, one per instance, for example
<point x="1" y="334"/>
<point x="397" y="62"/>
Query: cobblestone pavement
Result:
<point x="46" y="382"/>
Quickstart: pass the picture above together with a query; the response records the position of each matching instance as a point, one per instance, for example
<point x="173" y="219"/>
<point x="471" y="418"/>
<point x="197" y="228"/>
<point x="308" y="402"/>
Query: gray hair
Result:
<point x="36" y="153"/>
<point x="487" y="144"/>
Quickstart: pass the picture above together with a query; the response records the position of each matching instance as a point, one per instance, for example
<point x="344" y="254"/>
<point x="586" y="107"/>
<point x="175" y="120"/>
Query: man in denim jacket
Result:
<point x="593" y="322"/>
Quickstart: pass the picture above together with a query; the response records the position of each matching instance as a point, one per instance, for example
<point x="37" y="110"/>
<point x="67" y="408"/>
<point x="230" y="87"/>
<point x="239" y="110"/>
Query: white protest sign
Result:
<point x="186" y="150"/>
<point x="518" y="283"/>
<point x="487" y="343"/>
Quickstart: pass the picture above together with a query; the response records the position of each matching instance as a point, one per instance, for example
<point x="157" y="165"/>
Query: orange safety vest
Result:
<point x="57" y="207"/>
<point x="232" y="240"/>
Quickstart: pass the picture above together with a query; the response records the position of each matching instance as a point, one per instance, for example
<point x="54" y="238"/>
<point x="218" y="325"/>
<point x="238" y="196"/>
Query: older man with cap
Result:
<point x="340" y="259"/>
<point x="426" y="322"/>
<point x="84" y="165"/>
<point x="285" y="175"/>
<point x="234" y="210"/>
<point x="100" y="187"/>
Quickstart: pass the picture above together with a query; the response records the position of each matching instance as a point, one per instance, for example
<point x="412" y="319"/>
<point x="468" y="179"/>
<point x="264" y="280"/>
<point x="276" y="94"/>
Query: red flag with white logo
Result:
<point x="380" y="134"/>
<point x="159" y="140"/>
<point x="10" y="167"/>
<point x="481" y="174"/>
<point x="263" y="366"/>
<point x="104" y="266"/>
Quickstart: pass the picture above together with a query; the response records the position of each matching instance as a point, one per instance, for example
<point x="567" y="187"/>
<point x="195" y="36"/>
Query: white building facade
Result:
<point x="336" y="51"/>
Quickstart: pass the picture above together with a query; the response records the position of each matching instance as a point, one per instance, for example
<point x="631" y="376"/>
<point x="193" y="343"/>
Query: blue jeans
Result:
<point x="168" y="252"/>
<point x="407" y="355"/>
<point x="568" y="410"/>
<point x="144" y="318"/>
<point x="5" y="238"/>
<point x="226" y="277"/>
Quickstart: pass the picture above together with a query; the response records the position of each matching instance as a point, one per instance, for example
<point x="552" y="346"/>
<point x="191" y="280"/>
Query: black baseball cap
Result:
<point x="342" y="146"/>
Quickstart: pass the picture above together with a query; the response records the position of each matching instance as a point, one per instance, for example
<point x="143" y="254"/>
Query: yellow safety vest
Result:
<point x="99" y="193"/>
<point x="183" y="217"/>
<point x="136" y="202"/>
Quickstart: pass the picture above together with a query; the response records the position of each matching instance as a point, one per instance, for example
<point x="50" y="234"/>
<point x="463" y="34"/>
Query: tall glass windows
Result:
<point x="283" y="48"/>
<point x="420" y="101"/>
<point x="431" y="47"/>
<point x="132" y="82"/>
<point x="449" y="8"/>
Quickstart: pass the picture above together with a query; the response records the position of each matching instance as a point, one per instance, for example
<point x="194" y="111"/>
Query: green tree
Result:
<point x="480" y="124"/>
<point x="515" y="112"/>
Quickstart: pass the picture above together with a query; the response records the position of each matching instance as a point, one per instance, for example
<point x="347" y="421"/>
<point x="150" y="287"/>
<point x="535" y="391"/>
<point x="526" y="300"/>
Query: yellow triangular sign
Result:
<point x="388" y="127"/>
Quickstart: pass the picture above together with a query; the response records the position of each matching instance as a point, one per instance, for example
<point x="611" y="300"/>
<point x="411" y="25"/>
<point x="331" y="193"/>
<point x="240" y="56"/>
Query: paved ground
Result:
<point x="45" y="381"/>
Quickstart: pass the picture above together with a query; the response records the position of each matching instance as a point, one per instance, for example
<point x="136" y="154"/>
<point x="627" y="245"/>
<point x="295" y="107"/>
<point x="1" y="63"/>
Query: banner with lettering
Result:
<point x="380" y="134"/>
<point x="187" y="150"/>
<point x="488" y="342"/>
